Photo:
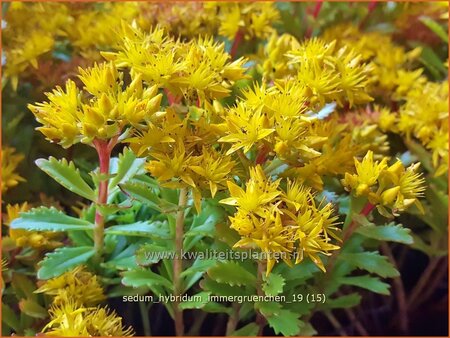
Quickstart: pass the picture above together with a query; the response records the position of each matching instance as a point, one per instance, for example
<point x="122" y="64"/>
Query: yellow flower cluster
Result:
<point x="391" y="187"/>
<point x="44" y="240"/>
<point x="425" y="116"/>
<point x="179" y="19"/>
<point x="75" y="312"/>
<point x="30" y="32"/>
<point x="251" y="19"/>
<point x="182" y="152"/>
<point x="10" y="160"/>
<point x="273" y="119"/>
<point x="78" y="284"/>
<point x="391" y="65"/>
<point x="199" y="69"/>
<point x="94" y="26"/>
<point x="283" y="223"/>
<point x="273" y="60"/>
<point x="327" y="73"/>
<point x="342" y="140"/>
<point x="100" y="111"/>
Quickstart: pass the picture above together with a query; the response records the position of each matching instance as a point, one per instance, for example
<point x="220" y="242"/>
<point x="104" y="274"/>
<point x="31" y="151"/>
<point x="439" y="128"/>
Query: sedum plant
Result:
<point x="260" y="190"/>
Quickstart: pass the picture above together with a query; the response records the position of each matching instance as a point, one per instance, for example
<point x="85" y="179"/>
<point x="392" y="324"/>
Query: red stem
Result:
<point x="104" y="155"/>
<point x="365" y="211"/>
<point x="171" y="97"/>
<point x="371" y="7"/>
<point x="237" y="40"/>
<point x="315" y="14"/>
<point x="317" y="9"/>
<point x="261" y="157"/>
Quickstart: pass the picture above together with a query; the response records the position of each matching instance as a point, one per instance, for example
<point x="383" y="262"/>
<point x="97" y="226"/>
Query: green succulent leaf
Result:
<point x="155" y="229"/>
<point x="145" y="278"/>
<point x="231" y="273"/>
<point x="66" y="174"/>
<point x="273" y="285"/>
<point x="372" y="262"/>
<point x="367" y="282"/>
<point x="391" y="232"/>
<point x="62" y="260"/>
<point x="343" y="302"/>
<point x="281" y="320"/>
<point x="150" y="253"/>
<point x="249" y="330"/>
<point x="10" y="318"/>
<point x="128" y="165"/>
<point x="49" y="219"/>
<point x="197" y="301"/>
<point x="143" y="193"/>
<point x="221" y="289"/>
<point x="435" y="27"/>
<point x="32" y="309"/>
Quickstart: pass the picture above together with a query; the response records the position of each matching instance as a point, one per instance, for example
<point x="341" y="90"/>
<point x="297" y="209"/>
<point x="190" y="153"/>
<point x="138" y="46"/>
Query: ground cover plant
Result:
<point x="244" y="169"/>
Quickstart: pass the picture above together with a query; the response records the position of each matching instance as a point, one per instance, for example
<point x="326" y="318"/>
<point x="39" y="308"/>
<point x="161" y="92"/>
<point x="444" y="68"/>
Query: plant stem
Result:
<point x="233" y="320"/>
<point x="399" y="291"/>
<point x="260" y="320"/>
<point x="145" y="320"/>
<point x="338" y="327"/>
<point x="315" y="14"/>
<point x="261" y="157"/>
<point x="104" y="155"/>
<point x="244" y="160"/>
<point x="438" y="271"/>
<point x="178" y="262"/>
<point x="347" y="233"/>
<point x="357" y="324"/>
<point x="423" y="281"/>
<point x="237" y="40"/>
<point x="198" y="322"/>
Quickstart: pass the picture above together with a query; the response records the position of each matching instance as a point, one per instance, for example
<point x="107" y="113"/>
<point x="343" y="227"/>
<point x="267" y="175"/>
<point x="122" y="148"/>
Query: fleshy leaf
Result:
<point x="66" y="174"/>
<point x="62" y="260"/>
<point x="49" y="219"/>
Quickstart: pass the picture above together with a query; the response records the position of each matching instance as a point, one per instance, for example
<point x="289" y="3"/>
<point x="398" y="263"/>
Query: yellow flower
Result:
<point x="270" y="236"/>
<point x="252" y="20"/>
<point x="246" y="128"/>
<point x="10" y="160"/>
<point x="408" y="187"/>
<point x="275" y="63"/>
<point x="214" y="168"/>
<point x="187" y="20"/>
<point x="425" y="116"/>
<point x="367" y="173"/>
<point x="389" y="66"/>
<point x="80" y="285"/>
<point x="331" y="74"/>
<point x="69" y="319"/>
<point x="172" y="169"/>
<point x="281" y="222"/>
<point x="394" y="187"/>
<point x="68" y="117"/>
<point x="258" y="194"/>
<point x="198" y="69"/>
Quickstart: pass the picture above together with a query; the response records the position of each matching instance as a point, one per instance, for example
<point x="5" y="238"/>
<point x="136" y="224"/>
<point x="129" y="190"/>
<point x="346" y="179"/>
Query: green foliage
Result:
<point x="67" y="175"/>
<point x="231" y="273"/>
<point x="372" y="262"/>
<point x="147" y="278"/>
<point x="126" y="167"/>
<point x="49" y="219"/>
<point x="367" y="282"/>
<point x="62" y="260"/>
<point x="146" y="229"/>
<point x="391" y="232"/>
